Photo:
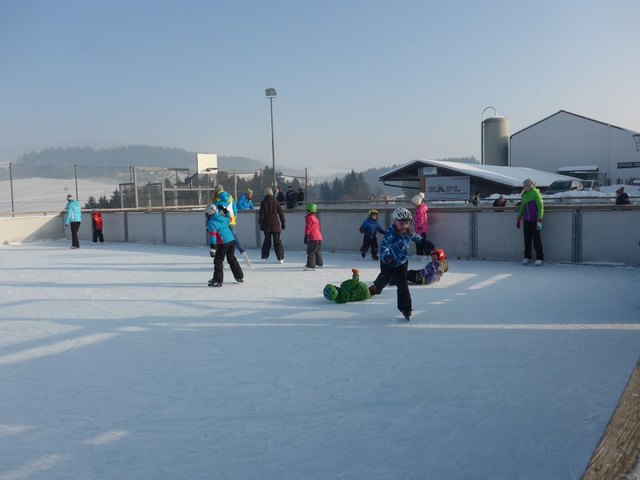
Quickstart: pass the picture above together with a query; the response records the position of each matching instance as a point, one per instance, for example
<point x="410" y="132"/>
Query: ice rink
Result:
<point x="118" y="362"/>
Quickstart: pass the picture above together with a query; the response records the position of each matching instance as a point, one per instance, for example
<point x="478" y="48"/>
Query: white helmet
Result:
<point x="402" y="214"/>
<point x="210" y="209"/>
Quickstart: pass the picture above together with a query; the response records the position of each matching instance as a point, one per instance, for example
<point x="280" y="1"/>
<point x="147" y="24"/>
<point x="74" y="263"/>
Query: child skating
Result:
<point x="352" y="290"/>
<point x="394" y="251"/>
<point x="222" y="244"/>
<point x="312" y="237"/>
<point x="369" y="229"/>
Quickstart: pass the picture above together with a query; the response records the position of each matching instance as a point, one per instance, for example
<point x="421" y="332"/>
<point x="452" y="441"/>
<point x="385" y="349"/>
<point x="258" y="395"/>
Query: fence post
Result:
<point x="75" y="176"/>
<point x="13" y="210"/>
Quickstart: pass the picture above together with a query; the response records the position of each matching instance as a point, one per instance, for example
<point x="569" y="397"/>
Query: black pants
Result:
<point x="370" y="242"/>
<point x="400" y="276"/>
<point x="75" y="226"/>
<point x="425" y="247"/>
<point x="97" y="235"/>
<point x="228" y="251"/>
<point x="531" y="233"/>
<point x="277" y="245"/>
<point x="314" y="253"/>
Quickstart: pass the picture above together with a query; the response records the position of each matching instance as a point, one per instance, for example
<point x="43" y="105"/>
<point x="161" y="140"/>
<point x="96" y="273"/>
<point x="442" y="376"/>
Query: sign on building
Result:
<point x="448" y="188"/>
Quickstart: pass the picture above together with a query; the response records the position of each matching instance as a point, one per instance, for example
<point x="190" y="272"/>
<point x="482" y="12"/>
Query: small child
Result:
<point x="96" y="225"/>
<point x="352" y="290"/>
<point x="420" y="221"/>
<point x="369" y="228"/>
<point x="312" y="237"/>
<point x="222" y="244"/>
<point x="433" y="271"/>
<point x="394" y="252"/>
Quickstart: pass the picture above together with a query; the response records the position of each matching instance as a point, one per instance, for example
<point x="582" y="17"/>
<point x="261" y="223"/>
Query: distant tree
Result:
<point x="91" y="203"/>
<point x="325" y="192"/>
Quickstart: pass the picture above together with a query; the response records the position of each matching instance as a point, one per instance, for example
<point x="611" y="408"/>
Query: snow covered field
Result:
<point x="118" y="362"/>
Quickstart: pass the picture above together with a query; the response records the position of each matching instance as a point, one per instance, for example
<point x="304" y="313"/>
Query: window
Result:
<point x="629" y="165"/>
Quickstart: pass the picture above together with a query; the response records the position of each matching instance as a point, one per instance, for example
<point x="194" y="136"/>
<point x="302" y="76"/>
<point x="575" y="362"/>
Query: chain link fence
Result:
<point x="28" y="188"/>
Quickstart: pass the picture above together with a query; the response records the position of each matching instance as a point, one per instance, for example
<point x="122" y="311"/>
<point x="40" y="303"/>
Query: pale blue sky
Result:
<point x="360" y="83"/>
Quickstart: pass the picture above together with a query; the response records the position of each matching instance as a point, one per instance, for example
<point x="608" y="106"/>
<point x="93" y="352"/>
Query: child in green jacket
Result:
<point x="352" y="290"/>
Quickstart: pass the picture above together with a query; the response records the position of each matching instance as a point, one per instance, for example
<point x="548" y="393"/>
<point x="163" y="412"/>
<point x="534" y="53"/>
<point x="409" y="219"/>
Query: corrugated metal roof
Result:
<point x="511" y="176"/>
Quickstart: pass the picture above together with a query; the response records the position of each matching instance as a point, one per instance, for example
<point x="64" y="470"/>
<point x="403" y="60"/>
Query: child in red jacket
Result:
<point x="312" y="237"/>
<point x="96" y="226"/>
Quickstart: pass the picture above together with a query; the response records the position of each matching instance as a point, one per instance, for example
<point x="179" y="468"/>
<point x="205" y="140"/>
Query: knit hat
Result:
<point x="268" y="191"/>
<point x="417" y="199"/>
<point x="356" y="274"/>
<point x="70" y="196"/>
<point x="249" y="191"/>
<point x="528" y="183"/>
<point x="219" y="189"/>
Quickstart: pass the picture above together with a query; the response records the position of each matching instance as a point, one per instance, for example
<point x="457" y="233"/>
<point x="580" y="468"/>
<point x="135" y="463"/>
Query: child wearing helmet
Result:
<point x="222" y="244"/>
<point x="312" y="237"/>
<point x="433" y="271"/>
<point x="369" y="228"/>
<point x="225" y="201"/>
<point x="352" y="290"/>
<point x="394" y="262"/>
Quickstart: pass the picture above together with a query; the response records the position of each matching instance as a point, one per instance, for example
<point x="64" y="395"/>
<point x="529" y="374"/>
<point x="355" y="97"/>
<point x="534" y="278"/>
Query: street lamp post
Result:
<point x="271" y="94"/>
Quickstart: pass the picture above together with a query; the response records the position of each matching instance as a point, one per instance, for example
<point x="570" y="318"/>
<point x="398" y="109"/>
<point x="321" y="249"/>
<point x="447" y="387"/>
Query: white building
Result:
<point x="575" y="145"/>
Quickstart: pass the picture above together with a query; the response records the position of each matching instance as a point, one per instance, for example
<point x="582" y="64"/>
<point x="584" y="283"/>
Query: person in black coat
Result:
<point x="622" y="197"/>
<point x="272" y="222"/>
<point x="291" y="197"/>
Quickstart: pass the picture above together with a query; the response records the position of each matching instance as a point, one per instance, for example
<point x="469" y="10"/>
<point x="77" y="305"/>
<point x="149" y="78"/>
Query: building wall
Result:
<point x="566" y="140"/>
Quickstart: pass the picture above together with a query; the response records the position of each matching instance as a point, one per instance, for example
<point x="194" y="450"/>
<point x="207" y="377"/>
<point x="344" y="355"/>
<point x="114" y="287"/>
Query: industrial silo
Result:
<point x="495" y="141"/>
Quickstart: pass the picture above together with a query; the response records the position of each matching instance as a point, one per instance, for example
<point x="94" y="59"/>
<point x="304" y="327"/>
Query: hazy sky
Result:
<point x="360" y="83"/>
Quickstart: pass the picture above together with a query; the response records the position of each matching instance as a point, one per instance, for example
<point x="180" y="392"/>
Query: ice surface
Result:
<point x="117" y="361"/>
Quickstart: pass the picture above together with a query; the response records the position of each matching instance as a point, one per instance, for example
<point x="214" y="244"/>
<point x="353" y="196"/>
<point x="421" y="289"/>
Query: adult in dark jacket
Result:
<point x="272" y="222"/>
<point x="291" y="197"/>
<point x="622" y="197"/>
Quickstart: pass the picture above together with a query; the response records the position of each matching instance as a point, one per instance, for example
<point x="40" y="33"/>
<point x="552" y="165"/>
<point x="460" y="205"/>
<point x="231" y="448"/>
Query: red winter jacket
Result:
<point x="96" y="218"/>
<point x="312" y="227"/>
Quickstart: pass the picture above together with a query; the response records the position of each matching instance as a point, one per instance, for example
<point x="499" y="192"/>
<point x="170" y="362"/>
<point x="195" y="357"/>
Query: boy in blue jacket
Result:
<point x="222" y="244"/>
<point x="369" y="228"/>
<point x="394" y="261"/>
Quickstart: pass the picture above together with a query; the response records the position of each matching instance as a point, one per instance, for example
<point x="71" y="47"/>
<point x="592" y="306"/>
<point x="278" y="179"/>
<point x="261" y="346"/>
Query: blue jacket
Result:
<point x="218" y="230"/>
<point x="74" y="214"/>
<point x="394" y="249"/>
<point x="370" y="227"/>
<point x="245" y="203"/>
<point x="225" y="200"/>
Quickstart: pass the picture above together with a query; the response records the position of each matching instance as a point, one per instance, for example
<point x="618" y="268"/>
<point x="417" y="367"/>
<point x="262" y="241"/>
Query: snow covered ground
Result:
<point x="117" y="361"/>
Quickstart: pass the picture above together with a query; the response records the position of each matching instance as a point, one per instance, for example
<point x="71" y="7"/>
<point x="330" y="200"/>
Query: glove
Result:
<point x="283" y="226"/>
<point x="212" y="251"/>
<point x="539" y="224"/>
<point x="306" y="240"/>
<point x="518" y="224"/>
